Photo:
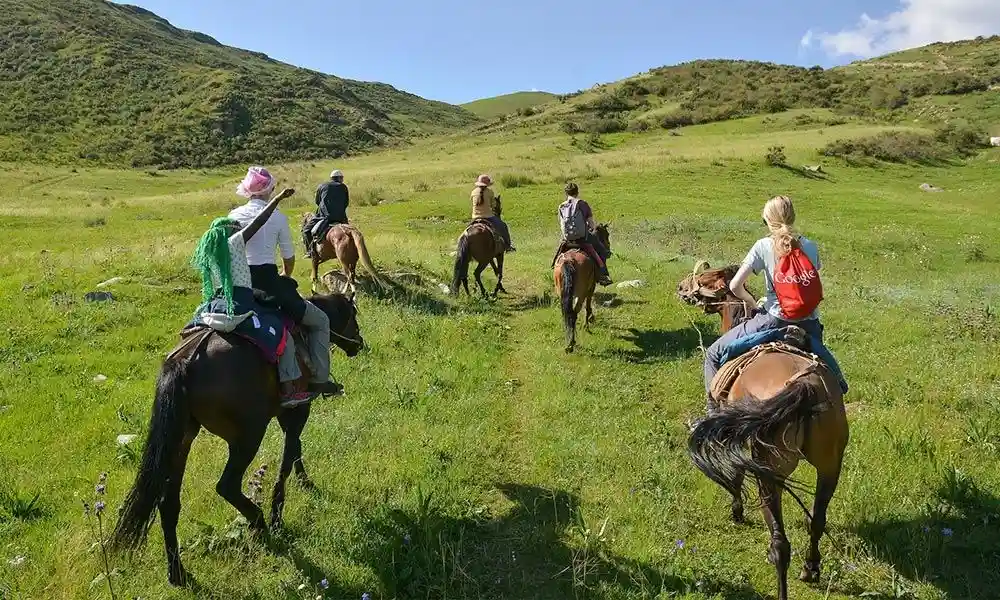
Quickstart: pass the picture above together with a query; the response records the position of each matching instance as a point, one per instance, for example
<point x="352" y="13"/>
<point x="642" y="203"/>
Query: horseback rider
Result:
<point x="484" y="206"/>
<point x="332" y="200"/>
<point x="788" y="299"/>
<point x="576" y="220"/>
<point x="257" y="187"/>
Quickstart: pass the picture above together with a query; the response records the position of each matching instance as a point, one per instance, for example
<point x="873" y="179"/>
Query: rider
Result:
<point x="587" y="240"/>
<point x="332" y="200"/>
<point x="779" y="217"/>
<point x="257" y="187"/>
<point x="484" y="206"/>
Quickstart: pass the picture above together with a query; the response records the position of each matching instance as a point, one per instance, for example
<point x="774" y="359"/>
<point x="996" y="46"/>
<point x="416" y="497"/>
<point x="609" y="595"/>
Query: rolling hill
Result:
<point x="96" y="81"/>
<point x="936" y="83"/>
<point x="489" y="108"/>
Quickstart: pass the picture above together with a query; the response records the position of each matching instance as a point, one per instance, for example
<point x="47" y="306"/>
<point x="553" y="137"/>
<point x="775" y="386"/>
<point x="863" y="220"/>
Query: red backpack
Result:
<point x="797" y="285"/>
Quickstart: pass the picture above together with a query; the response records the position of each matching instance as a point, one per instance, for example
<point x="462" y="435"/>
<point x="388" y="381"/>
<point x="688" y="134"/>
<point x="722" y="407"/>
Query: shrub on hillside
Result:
<point x="569" y="127"/>
<point x="514" y="180"/>
<point x="890" y="146"/>
<point x="639" y="125"/>
<point x="775" y="156"/>
<point x="679" y="118"/>
<point x="963" y="138"/>
<point x="604" y="125"/>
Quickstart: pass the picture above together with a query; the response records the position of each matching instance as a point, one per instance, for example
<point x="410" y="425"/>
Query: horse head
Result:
<point x="602" y="234"/>
<point x="707" y="287"/>
<point x="343" y="314"/>
<point x="499" y="206"/>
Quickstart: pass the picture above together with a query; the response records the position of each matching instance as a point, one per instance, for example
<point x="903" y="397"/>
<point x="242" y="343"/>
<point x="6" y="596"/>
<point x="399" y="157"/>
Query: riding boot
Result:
<point x="307" y="242"/>
<point x="603" y="277"/>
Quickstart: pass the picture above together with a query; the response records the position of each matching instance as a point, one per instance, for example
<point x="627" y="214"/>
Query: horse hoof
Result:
<point x="177" y="579"/>
<point x="306" y="484"/>
<point x="569" y="349"/>
<point x="738" y="517"/>
<point x="809" y="574"/>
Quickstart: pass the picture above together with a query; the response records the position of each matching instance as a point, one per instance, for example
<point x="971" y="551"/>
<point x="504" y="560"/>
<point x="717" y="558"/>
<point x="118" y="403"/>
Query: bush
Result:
<point x="599" y="126"/>
<point x="639" y="125"/>
<point x="372" y="196"/>
<point x="962" y="138"/>
<point x="775" y="156"/>
<point x="569" y="127"/>
<point x="890" y="146"/>
<point x="514" y="180"/>
<point x="98" y="222"/>
<point x="680" y="118"/>
<point x="421" y="186"/>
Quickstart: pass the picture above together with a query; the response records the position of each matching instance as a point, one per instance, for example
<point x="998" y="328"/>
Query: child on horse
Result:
<point x="484" y="206"/>
<point x="790" y="263"/>
<point x="577" y="225"/>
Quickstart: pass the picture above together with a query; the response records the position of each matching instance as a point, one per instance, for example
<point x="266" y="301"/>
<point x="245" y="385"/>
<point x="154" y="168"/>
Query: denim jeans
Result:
<point x="501" y="228"/>
<point x="317" y="326"/>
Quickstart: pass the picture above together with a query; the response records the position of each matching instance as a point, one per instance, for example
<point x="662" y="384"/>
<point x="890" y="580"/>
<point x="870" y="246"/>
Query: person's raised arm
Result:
<point x="250" y="230"/>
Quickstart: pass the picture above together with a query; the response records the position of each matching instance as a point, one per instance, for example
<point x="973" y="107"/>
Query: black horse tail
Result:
<point x="730" y="443"/>
<point x="166" y="433"/>
<point x="461" y="264"/>
<point x="566" y="294"/>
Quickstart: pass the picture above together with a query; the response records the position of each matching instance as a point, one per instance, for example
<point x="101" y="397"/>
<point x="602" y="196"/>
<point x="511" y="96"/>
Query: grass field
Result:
<point x="471" y="458"/>
<point x="488" y="108"/>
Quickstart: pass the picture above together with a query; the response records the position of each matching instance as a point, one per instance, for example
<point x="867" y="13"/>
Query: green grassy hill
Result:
<point x="489" y="108"/>
<point x="923" y="83"/>
<point x="89" y="80"/>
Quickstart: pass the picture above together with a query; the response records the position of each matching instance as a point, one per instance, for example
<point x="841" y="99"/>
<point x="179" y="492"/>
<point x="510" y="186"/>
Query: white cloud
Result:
<point x="916" y="23"/>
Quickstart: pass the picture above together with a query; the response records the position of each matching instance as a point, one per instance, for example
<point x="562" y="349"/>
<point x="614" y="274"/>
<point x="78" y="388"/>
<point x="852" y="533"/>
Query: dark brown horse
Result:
<point x="347" y="245"/>
<point x="221" y="382"/>
<point x="575" y="276"/>
<point x="780" y="408"/>
<point x="481" y="243"/>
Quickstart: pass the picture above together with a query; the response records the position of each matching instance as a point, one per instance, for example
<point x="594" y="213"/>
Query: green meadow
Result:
<point x="471" y="457"/>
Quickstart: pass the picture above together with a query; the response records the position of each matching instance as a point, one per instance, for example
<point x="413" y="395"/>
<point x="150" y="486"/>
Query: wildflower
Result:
<point x="103" y="478"/>
<point x="301" y="587"/>
<point x="927" y="529"/>
<point x="366" y="596"/>
<point x="99" y="489"/>
<point x="852" y="567"/>
<point x="406" y="539"/>
<point x="17" y="561"/>
<point x="86" y="509"/>
<point x="324" y="584"/>
<point x="679" y="544"/>
<point x="947" y="531"/>
<point x="98" y="507"/>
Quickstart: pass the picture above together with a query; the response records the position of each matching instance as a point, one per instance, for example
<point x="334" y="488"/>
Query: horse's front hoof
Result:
<point x="810" y="573"/>
<point x="177" y="577"/>
<point x="569" y="349"/>
<point x="738" y="517"/>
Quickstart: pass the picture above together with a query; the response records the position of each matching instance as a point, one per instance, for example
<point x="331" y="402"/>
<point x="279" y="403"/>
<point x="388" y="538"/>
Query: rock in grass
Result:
<point x="111" y="281"/>
<point x="126" y="438"/>
<point x="100" y="378"/>
<point x="635" y="283"/>
<point x="930" y="188"/>
<point x="99" y="297"/>
<point x="444" y="288"/>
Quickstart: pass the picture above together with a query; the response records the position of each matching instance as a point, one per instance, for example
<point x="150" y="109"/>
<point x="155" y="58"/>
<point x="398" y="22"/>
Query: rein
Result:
<point x="345" y="338"/>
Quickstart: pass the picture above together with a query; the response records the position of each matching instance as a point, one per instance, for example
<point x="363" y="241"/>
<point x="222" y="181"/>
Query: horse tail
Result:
<point x="566" y="293"/>
<point x="461" y="264"/>
<point x="739" y="437"/>
<point x="359" y="243"/>
<point x="166" y="433"/>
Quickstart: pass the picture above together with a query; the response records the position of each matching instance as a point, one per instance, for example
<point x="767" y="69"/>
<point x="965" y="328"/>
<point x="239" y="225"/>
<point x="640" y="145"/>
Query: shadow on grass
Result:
<point x="542" y="548"/>
<point x="954" y="545"/>
<point x="652" y="345"/>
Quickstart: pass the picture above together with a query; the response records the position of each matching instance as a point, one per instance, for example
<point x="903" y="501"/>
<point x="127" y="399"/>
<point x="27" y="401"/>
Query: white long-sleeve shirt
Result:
<point x="274" y="234"/>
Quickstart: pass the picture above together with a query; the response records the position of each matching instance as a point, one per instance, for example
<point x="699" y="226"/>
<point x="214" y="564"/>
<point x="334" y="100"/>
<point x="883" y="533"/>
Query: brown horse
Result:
<point x="781" y="407"/>
<point x="221" y="382"/>
<point x="575" y="275"/>
<point x="481" y="243"/>
<point x="347" y="245"/>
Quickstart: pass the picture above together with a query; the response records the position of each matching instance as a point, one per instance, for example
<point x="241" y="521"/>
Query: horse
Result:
<point x="345" y="243"/>
<point x="782" y="406"/>
<point x="481" y="243"/>
<point x="222" y="382"/>
<point x="575" y="277"/>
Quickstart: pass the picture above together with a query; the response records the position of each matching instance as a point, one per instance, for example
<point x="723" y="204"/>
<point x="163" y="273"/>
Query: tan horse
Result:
<point x="781" y="407"/>
<point x="575" y="276"/>
<point x="347" y="245"/>
<point x="481" y="243"/>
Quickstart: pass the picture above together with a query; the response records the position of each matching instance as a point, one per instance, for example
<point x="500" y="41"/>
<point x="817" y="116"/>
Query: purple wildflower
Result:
<point x="679" y="544"/>
<point x="99" y="507"/>
<point x="366" y="596"/>
<point x="99" y="489"/>
<point x="406" y="539"/>
<point x="324" y="584"/>
<point x="103" y="478"/>
<point x="927" y="529"/>
<point x="947" y="531"/>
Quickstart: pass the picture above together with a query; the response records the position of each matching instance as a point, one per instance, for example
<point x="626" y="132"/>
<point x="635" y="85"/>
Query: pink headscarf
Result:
<point x="258" y="182"/>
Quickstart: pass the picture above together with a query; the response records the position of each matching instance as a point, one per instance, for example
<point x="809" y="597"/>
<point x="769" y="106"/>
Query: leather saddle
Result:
<point x="481" y="222"/>
<point x="723" y="381"/>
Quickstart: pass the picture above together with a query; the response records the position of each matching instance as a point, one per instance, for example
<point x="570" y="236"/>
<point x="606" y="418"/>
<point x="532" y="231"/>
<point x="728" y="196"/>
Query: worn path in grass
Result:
<point x="473" y="458"/>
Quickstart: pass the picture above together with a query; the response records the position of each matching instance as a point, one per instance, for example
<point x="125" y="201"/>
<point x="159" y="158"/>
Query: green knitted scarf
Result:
<point x="213" y="251"/>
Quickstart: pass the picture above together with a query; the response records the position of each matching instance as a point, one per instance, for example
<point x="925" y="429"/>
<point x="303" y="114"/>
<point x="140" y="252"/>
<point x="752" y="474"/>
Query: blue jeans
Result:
<point x="763" y="322"/>
<point x="501" y="227"/>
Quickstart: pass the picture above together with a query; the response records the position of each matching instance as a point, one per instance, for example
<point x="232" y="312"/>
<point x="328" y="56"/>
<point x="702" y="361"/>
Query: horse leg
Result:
<point x="498" y="270"/>
<point x="230" y="485"/>
<point x="315" y="266"/>
<point x="479" y="278"/>
<point x="737" y="507"/>
<point x="292" y="422"/>
<point x="826" y="485"/>
<point x="170" y="509"/>
<point x="780" y="552"/>
<point x="590" y="312"/>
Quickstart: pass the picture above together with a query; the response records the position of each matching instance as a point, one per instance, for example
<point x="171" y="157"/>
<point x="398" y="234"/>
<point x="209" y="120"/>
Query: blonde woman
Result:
<point x="764" y="256"/>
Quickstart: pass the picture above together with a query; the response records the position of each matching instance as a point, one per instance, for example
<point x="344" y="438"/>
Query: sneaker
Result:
<point x="296" y="399"/>
<point x="604" y="280"/>
<point x="327" y="388"/>
<point x="511" y="248"/>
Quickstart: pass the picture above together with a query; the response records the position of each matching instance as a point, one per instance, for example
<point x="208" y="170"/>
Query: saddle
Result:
<point x="566" y="246"/>
<point x="481" y="222"/>
<point x="723" y="382"/>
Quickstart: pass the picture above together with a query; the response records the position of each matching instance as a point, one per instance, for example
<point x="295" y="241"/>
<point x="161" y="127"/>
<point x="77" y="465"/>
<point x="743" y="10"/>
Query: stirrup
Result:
<point x="297" y="399"/>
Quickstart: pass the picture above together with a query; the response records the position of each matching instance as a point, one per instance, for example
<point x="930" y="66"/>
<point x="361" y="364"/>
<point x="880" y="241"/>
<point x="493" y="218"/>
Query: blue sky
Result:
<point x="457" y="51"/>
